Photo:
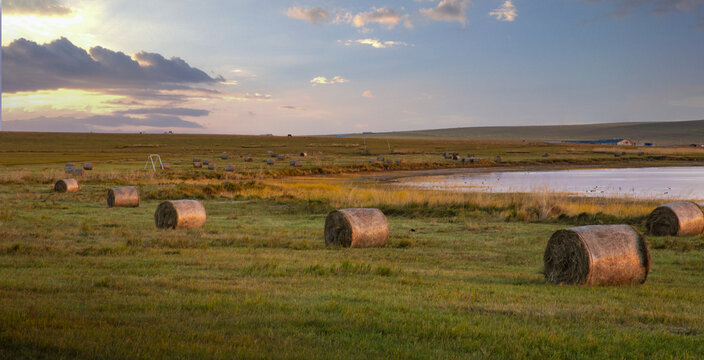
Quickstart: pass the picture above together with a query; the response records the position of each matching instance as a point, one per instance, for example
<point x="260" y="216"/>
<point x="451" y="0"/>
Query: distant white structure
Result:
<point x="154" y="159"/>
<point x="625" y="142"/>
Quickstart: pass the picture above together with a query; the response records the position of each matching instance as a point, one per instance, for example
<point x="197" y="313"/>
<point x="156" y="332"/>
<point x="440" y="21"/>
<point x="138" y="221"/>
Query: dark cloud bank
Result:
<point x="98" y="123"/>
<point x="28" y="66"/>
<point x="35" y="7"/>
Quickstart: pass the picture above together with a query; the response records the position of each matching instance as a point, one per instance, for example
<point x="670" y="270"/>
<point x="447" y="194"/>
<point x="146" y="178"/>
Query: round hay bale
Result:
<point x="230" y="168"/>
<point x="545" y="154"/>
<point x="304" y="154"/>
<point x="125" y="196"/>
<point x="455" y="156"/>
<point x="498" y="158"/>
<point x="248" y="159"/>
<point x="179" y="214"/>
<point x="166" y="166"/>
<point x="274" y="155"/>
<point x="297" y="164"/>
<point x="195" y="159"/>
<point x="680" y="218"/>
<point x="206" y="162"/>
<point x="212" y="166"/>
<point x="270" y="162"/>
<point x="70" y="165"/>
<point x="224" y="156"/>
<point x="197" y="164"/>
<point x="66" y="185"/>
<point x="88" y="166"/>
<point x="597" y="255"/>
<point x="77" y="171"/>
<point x="399" y="161"/>
<point x="359" y="227"/>
<point x="281" y="157"/>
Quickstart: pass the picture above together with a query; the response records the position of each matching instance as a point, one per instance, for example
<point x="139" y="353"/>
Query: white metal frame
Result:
<point x="154" y="158"/>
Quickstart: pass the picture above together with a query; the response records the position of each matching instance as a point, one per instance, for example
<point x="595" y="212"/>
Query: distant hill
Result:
<point x="670" y="132"/>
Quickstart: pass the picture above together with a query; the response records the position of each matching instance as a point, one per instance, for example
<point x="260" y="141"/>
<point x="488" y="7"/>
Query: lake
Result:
<point x="683" y="182"/>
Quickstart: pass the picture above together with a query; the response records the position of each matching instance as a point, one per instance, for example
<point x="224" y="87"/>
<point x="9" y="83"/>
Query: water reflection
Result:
<point x="686" y="182"/>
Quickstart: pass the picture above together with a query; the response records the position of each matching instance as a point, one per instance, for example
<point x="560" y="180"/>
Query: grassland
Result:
<point x="460" y="278"/>
<point x="663" y="133"/>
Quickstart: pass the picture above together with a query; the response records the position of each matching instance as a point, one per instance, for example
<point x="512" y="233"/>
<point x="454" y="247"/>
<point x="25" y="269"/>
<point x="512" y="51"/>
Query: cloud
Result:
<point x="98" y="123"/>
<point x="507" y="12"/>
<point x="322" y="80"/>
<point x="166" y="111"/>
<point x="448" y="10"/>
<point x="249" y="96"/>
<point x="28" y="66"/>
<point x="313" y="15"/>
<point x="383" y="16"/>
<point x="375" y="43"/>
<point x="35" y="7"/>
<point x="623" y="8"/>
<point x="292" y="107"/>
<point x="367" y="94"/>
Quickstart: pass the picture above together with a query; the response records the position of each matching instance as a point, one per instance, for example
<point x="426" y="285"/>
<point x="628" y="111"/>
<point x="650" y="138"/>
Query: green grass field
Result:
<point x="460" y="277"/>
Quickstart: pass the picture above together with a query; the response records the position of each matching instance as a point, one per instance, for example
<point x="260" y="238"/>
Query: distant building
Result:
<point x="625" y="142"/>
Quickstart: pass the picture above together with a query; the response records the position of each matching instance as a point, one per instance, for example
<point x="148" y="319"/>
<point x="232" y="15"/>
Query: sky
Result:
<point x="326" y="66"/>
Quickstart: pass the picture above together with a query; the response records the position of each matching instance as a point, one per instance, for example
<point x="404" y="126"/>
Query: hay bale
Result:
<point x="195" y="159"/>
<point x="125" y="196"/>
<point x="399" y="160"/>
<point x="597" y="255"/>
<point x="224" y="156"/>
<point x="70" y="165"/>
<point x="77" y="171"/>
<point x="281" y="157"/>
<point x="455" y="156"/>
<point x="498" y="158"/>
<point x="212" y="166"/>
<point x="359" y="227"/>
<point x="229" y="168"/>
<point x="274" y="155"/>
<point x="545" y="154"/>
<point x="270" y="162"/>
<point x="179" y="214"/>
<point x="66" y="185"/>
<point x="197" y="164"/>
<point x="166" y="166"/>
<point x="88" y="166"/>
<point x="206" y="162"/>
<point x="304" y="154"/>
<point x="297" y="164"/>
<point x="248" y="159"/>
<point x="380" y="158"/>
<point x="680" y="218"/>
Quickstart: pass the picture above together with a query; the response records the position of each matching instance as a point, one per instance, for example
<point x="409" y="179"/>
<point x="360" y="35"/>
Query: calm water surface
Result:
<point x="685" y="182"/>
